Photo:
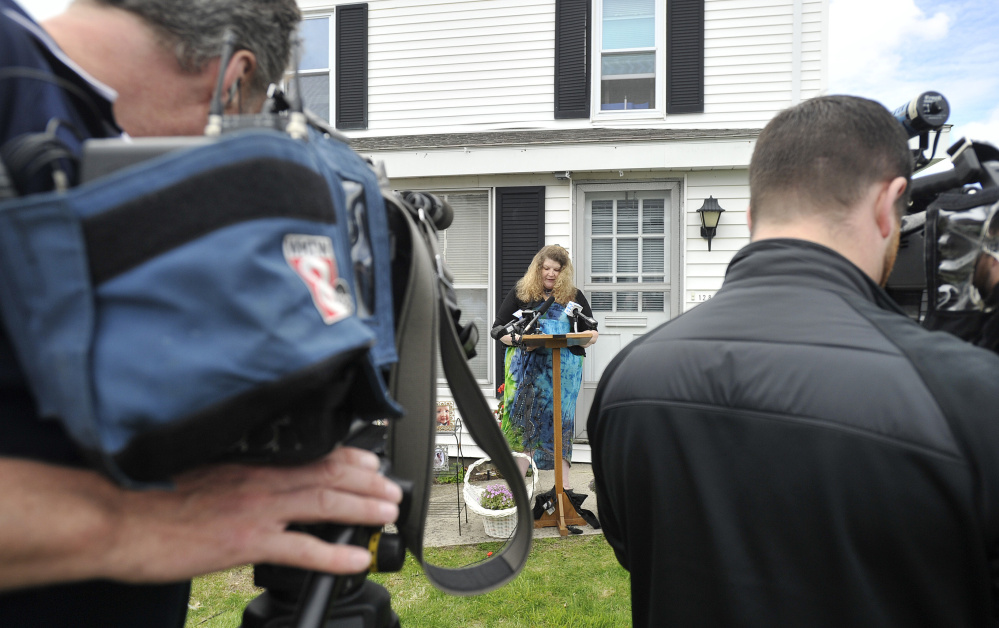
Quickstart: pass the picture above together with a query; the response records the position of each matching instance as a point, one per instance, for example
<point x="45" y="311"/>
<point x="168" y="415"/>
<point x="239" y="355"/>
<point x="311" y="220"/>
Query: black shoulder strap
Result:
<point x="424" y="319"/>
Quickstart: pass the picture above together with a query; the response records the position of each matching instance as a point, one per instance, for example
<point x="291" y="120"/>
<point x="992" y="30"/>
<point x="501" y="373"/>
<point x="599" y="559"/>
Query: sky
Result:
<point x="891" y="51"/>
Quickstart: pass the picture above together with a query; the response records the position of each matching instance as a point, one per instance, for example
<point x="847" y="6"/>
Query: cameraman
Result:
<point x="796" y="451"/>
<point x="75" y="549"/>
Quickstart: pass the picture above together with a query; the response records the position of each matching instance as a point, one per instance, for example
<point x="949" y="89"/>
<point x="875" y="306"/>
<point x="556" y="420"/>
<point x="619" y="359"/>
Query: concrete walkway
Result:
<point x="447" y="514"/>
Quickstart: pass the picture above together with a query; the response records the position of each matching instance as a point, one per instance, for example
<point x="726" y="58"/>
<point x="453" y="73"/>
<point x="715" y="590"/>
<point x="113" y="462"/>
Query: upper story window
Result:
<point x="630" y="40"/>
<point x="334" y="65"/>
<point x="314" y="64"/>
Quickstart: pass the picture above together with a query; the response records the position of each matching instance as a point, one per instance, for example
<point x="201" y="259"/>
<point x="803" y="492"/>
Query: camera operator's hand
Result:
<point x="59" y="524"/>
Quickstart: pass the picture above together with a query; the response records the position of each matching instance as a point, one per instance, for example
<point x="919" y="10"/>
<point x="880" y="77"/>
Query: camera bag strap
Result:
<point x="424" y="323"/>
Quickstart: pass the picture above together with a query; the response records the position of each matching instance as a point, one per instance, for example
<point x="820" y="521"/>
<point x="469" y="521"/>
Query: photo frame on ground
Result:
<point x="446" y="419"/>
<point x="440" y="458"/>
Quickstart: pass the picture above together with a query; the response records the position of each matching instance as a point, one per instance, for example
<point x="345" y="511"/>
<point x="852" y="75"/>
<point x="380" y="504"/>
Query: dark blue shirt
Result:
<point x="38" y="83"/>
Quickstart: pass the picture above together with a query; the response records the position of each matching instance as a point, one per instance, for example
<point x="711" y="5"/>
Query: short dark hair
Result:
<point x="194" y="29"/>
<point x="825" y="153"/>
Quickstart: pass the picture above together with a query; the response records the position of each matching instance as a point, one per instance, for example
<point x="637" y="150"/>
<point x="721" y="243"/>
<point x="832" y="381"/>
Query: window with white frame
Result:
<point x="314" y="64"/>
<point x="465" y="246"/>
<point x="629" y="37"/>
<point x="629" y="237"/>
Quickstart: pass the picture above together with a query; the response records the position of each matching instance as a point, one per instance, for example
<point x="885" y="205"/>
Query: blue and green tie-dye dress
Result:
<point x="528" y="393"/>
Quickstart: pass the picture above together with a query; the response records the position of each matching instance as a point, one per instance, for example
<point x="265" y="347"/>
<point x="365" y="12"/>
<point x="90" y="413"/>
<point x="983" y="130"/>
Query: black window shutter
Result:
<point x="685" y="56"/>
<point x="352" y="66"/>
<point x="572" y="59"/>
<point x="520" y="234"/>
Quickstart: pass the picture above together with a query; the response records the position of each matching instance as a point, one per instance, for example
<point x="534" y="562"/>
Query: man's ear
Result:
<point x="241" y="68"/>
<point x="749" y="218"/>
<point x="885" y="212"/>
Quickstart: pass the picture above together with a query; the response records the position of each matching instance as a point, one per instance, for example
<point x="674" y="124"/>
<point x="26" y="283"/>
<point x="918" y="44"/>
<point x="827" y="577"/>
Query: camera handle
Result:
<point x="974" y="162"/>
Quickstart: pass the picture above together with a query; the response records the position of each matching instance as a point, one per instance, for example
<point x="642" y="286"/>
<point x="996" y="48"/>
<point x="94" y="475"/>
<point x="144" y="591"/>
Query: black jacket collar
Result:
<point x="791" y="261"/>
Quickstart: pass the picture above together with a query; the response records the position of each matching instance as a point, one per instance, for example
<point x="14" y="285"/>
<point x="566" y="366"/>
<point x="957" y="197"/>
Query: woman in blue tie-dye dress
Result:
<point x="528" y="392"/>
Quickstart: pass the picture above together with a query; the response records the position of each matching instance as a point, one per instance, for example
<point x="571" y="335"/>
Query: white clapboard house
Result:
<point x="600" y="125"/>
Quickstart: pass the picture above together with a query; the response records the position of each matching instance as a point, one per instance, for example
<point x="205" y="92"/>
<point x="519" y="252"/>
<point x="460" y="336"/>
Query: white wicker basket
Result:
<point x="499" y="524"/>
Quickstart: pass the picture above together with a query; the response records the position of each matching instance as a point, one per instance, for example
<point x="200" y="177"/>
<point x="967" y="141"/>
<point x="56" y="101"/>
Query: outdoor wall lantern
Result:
<point x="710" y="213"/>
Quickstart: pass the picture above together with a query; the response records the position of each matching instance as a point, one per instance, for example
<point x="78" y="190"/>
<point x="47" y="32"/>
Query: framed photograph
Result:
<point x="445" y="416"/>
<point x="440" y="458"/>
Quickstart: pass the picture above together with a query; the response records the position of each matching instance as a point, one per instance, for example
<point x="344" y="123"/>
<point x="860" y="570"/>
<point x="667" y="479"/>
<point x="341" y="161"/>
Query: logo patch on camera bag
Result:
<point x="312" y="258"/>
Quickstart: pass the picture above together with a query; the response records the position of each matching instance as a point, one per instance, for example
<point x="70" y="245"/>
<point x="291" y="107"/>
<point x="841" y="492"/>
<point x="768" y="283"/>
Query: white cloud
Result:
<point x="868" y="39"/>
<point x="987" y="129"/>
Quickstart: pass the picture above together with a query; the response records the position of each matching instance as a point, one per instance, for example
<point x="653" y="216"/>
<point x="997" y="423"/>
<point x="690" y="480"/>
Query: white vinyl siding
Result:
<point x="484" y="65"/>
<point x="443" y="65"/>
<point x="705" y="270"/>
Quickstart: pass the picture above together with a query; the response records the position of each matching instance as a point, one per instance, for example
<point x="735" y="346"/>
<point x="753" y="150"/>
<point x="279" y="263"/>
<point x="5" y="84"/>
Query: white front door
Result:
<point x="628" y="267"/>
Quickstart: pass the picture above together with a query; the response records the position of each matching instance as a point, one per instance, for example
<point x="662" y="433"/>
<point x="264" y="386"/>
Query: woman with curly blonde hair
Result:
<point x="528" y="395"/>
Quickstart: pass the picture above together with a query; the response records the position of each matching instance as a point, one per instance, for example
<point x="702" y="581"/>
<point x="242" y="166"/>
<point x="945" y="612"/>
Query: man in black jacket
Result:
<point x="795" y="451"/>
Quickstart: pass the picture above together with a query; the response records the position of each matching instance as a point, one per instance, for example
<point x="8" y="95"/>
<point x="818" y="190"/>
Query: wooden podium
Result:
<point x="565" y="513"/>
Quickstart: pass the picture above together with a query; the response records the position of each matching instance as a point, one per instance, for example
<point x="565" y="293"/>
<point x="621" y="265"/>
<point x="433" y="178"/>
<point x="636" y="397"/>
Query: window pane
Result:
<point x="653" y="256"/>
<point x="653" y="279"/>
<point x="629" y="24"/>
<point x="653" y="301"/>
<point x="465" y="243"/>
<point x="315" y="34"/>
<point x="653" y="215"/>
<point x="627" y="216"/>
<point x="627" y="256"/>
<point x="601" y="260"/>
<point x="627" y="279"/>
<point x="633" y="65"/>
<point x="316" y="94"/>
<point x="627" y="94"/>
<point x="601" y="301"/>
<point x="627" y="301"/>
<point x="603" y="218"/>
<point x="472" y="304"/>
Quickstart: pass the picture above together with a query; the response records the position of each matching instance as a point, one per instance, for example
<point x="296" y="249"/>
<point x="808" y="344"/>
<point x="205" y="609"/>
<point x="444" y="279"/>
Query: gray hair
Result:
<point x="194" y="30"/>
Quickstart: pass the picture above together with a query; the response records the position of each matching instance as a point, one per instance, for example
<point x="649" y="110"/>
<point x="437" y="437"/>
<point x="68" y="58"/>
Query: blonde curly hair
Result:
<point x="531" y="287"/>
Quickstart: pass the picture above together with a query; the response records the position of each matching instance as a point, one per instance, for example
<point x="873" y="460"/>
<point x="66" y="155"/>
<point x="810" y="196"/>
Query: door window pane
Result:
<point x="603" y="218"/>
<point x="653" y="256"/>
<point x="602" y="256"/>
<point x="653" y="301"/>
<point x="627" y="256"/>
<point x="653" y="215"/>
<point x="602" y="301"/>
<point x="627" y="216"/>
<point x="627" y="301"/>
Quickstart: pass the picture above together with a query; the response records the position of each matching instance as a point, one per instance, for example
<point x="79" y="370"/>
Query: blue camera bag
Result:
<point x="218" y="301"/>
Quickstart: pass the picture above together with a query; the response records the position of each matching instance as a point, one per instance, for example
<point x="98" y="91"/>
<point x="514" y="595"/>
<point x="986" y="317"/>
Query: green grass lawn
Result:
<point x="572" y="582"/>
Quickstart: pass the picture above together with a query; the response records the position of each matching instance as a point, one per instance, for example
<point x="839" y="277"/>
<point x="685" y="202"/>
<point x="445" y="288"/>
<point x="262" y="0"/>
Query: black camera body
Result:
<point x="916" y="281"/>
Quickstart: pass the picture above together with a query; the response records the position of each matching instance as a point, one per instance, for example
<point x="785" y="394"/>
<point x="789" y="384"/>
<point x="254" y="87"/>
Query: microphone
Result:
<point x="575" y="311"/>
<point x="545" y="306"/>
<point x="926" y="112"/>
<point x="518" y="325"/>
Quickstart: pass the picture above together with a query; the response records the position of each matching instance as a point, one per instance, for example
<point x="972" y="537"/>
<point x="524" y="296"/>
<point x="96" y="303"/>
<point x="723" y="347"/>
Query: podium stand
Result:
<point x="565" y="513"/>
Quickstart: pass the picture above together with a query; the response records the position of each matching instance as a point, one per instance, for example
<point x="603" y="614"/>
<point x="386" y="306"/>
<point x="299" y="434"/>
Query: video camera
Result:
<point x="360" y="255"/>
<point x="948" y="222"/>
